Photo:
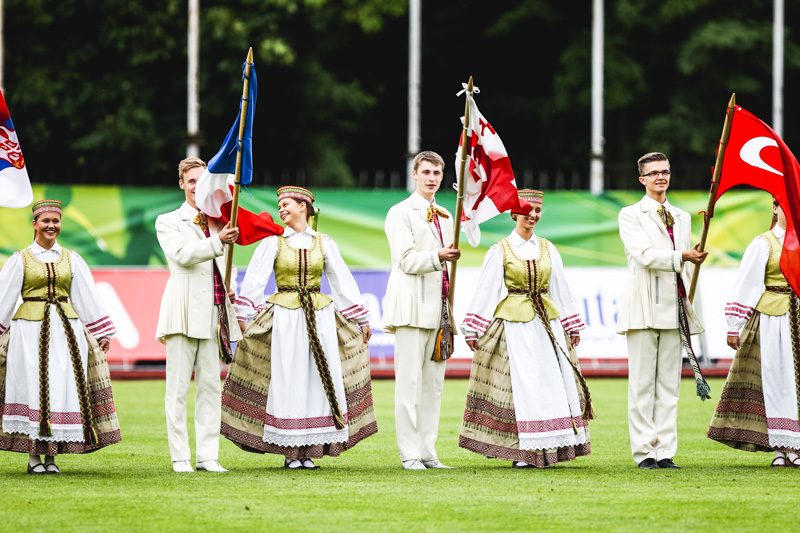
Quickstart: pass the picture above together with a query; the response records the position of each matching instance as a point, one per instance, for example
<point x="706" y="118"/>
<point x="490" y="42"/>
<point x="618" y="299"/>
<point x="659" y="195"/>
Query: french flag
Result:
<point x="15" y="186"/>
<point x="214" y="190"/>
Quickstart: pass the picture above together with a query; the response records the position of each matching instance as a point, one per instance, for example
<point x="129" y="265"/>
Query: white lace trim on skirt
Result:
<point x="306" y="439"/>
<point x="553" y="441"/>
<point x="31" y="430"/>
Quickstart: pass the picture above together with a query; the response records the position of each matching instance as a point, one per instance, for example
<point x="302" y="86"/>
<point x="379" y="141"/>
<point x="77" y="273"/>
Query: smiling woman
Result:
<point x="60" y="325"/>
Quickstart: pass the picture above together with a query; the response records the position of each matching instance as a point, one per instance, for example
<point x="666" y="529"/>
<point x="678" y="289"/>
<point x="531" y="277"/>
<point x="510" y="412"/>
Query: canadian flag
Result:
<point x="213" y="196"/>
<point x="755" y="155"/>
<point x="489" y="185"/>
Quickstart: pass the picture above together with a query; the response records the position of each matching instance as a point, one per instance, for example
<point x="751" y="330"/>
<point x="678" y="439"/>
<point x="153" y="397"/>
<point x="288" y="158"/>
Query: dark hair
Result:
<point x="649" y="158"/>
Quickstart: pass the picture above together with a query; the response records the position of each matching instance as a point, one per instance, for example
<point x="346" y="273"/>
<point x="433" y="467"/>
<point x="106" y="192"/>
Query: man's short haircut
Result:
<point x="188" y="164"/>
<point x="649" y="158"/>
<point x="431" y="157"/>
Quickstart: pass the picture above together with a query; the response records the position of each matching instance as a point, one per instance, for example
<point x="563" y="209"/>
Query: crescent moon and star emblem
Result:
<point x="751" y="153"/>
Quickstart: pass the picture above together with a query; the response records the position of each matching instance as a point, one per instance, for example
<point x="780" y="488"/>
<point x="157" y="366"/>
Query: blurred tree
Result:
<point x="108" y="105"/>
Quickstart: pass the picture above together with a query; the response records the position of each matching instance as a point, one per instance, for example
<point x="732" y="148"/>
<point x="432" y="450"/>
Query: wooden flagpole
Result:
<point x="708" y="214"/>
<point x="238" y="175"/>
<point x="460" y="197"/>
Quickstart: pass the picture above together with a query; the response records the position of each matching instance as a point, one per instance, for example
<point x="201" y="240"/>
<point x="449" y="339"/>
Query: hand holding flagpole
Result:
<point x="238" y="175"/>
<point x="460" y="195"/>
<point x="708" y="214"/>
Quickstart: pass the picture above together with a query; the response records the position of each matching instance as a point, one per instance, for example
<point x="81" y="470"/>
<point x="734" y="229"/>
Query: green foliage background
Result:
<point x="107" y="105"/>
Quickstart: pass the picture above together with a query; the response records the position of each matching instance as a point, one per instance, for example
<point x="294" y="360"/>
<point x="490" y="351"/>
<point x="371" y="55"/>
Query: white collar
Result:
<point x="38" y="249"/>
<point x="650" y="203"/>
<point x="420" y="201"/>
<point x="778" y="231"/>
<point x="288" y="232"/>
<point x="516" y="240"/>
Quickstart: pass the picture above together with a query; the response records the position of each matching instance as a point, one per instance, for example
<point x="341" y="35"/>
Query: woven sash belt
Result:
<point x="316" y="349"/>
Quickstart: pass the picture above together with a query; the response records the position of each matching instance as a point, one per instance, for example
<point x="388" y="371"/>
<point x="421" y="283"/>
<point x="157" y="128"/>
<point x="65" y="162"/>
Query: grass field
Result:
<point x="130" y="486"/>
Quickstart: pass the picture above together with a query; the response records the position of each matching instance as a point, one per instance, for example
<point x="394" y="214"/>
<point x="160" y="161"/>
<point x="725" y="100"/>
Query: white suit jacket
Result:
<point x="188" y="301"/>
<point x="414" y="291"/>
<point x="650" y="294"/>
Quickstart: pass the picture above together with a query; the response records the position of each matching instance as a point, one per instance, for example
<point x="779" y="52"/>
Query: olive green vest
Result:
<point x="522" y="278"/>
<point x="297" y="269"/>
<point x="45" y="283"/>
<point x="773" y="303"/>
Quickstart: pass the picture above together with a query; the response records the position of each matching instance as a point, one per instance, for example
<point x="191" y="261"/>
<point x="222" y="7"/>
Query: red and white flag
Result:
<point x="213" y="196"/>
<point x="489" y="185"/>
<point x="755" y="155"/>
<point x="15" y="186"/>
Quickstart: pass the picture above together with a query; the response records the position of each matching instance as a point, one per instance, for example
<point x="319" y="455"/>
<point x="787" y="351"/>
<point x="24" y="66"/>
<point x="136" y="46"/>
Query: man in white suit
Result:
<point x="193" y="302"/>
<point x="657" y="239"/>
<point x="420" y="235"/>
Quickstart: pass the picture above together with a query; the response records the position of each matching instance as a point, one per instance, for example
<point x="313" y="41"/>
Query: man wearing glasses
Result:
<point x="657" y="238"/>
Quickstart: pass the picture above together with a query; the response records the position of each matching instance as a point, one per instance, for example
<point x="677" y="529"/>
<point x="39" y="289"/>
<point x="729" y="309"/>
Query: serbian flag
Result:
<point x="489" y="185"/>
<point x="15" y="186"/>
<point x="214" y="190"/>
<point x="756" y="156"/>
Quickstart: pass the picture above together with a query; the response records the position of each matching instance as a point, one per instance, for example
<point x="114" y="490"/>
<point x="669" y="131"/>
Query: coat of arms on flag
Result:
<point x="15" y="186"/>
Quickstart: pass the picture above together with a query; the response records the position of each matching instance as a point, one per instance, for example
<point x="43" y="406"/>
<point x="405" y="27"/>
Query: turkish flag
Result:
<point x="489" y="185"/>
<point x="755" y="155"/>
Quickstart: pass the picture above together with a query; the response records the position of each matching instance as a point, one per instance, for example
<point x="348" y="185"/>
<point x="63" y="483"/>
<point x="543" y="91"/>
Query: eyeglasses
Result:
<point x="655" y="173"/>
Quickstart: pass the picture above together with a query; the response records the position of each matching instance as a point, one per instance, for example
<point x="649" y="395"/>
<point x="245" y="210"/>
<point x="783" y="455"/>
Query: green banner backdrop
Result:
<point x="114" y="226"/>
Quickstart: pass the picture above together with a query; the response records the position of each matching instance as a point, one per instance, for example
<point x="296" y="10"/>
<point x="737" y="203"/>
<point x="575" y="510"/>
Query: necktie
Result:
<point x="434" y="211"/>
<point x="666" y="216"/>
<point x="201" y="220"/>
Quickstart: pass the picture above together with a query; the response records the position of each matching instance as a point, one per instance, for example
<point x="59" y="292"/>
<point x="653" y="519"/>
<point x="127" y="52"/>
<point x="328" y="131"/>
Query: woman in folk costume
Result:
<point x="55" y="390"/>
<point x="527" y="400"/>
<point x="758" y="409"/>
<point x="299" y="385"/>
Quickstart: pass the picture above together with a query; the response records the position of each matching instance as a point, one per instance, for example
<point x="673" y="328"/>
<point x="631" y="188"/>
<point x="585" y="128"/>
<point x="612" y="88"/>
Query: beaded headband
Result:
<point x="531" y="196"/>
<point x="298" y="193"/>
<point x="46" y="205"/>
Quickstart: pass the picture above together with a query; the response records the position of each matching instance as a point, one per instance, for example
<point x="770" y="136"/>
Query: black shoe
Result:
<point x="667" y="463"/>
<point x="649" y="463"/>
<point x="37" y="470"/>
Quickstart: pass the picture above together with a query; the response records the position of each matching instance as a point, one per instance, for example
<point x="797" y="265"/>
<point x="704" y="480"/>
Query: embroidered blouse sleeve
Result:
<point x="570" y="319"/>
<point x="344" y="290"/>
<point x="86" y="300"/>
<point x="10" y="289"/>
<point x="251" y="298"/>
<point x="749" y="285"/>
<point x="487" y="295"/>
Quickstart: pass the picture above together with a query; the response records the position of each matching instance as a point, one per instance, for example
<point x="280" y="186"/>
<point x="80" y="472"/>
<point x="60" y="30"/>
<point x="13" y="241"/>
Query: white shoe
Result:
<point x="434" y="463"/>
<point x="211" y="466"/>
<point x="182" y="466"/>
<point x="413" y="464"/>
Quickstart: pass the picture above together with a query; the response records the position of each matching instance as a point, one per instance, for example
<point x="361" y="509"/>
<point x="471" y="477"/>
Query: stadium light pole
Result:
<point x="192" y="100"/>
<point x="777" y="68"/>
<point x="596" y="184"/>
<point x="414" y="75"/>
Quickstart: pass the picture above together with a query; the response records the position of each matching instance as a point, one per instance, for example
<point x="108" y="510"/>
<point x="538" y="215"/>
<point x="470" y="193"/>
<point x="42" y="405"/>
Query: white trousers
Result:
<point x="418" y="385"/>
<point x="184" y="355"/>
<point x="654" y="382"/>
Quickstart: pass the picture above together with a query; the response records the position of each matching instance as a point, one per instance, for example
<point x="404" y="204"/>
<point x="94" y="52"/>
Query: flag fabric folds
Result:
<point x="213" y="192"/>
<point x="224" y="162"/>
<point x="756" y="156"/>
<point x="489" y="185"/>
<point x="15" y="186"/>
<point x="213" y="196"/>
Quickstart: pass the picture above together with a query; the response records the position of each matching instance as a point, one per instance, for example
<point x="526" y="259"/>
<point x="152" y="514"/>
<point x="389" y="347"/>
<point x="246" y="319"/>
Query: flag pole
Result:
<point x="238" y="175"/>
<point x="708" y="214"/>
<point x="460" y="197"/>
